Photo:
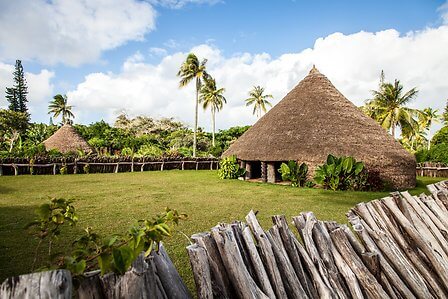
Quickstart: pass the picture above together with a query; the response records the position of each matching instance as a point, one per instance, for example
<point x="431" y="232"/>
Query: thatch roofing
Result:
<point x="66" y="140"/>
<point x="314" y="120"/>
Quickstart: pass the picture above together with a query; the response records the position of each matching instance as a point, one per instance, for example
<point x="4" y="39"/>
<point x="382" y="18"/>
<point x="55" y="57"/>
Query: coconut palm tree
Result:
<point x="388" y="107"/>
<point x="59" y="106"/>
<point x="259" y="100"/>
<point x="212" y="97"/>
<point x="191" y="69"/>
<point x="426" y="118"/>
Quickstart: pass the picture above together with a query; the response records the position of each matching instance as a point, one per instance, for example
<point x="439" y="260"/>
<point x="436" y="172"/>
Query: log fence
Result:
<point x="431" y="169"/>
<point x="76" y="167"/>
<point x="397" y="248"/>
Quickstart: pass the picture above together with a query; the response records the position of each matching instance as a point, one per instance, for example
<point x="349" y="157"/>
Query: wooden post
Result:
<point x="54" y="168"/>
<point x="16" y="169"/>
<point x="1" y="170"/>
<point x="161" y="167"/>
<point x="197" y="164"/>
<point x="211" y="165"/>
<point x="75" y="167"/>
<point x="248" y="170"/>
<point x="141" y="168"/>
<point x="132" y="165"/>
<point x="271" y="172"/>
<point x="116" y="167"/>
<point x="264" y="172"/>
<point x="48" y="284"/>
<point x="201" y="271"/>
<point x="183" y="165"/>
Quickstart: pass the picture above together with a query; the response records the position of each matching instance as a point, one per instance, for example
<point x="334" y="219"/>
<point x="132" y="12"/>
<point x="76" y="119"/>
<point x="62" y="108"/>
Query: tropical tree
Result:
<point x="16" y="95"/>
<point x="212" y="97"/>
<point x="426" y="118"/>
<point x="388" y="108"/>
<point x="445" y="114"/>
<point x="258" y="100"/>
<point x="59" y="106"/>
<point x="192" y="69"/>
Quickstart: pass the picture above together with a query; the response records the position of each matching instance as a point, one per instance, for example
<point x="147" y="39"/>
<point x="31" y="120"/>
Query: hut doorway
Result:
<point x="256" y="169"/>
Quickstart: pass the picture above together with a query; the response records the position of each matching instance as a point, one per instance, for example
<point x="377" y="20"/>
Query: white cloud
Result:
<point x="176" y="4"/>
<point x="70" y="32"/>
<point x="443" y="10"/>
<point x="40" y="89"/>
<point x="352" y="62"/>
<point x="158" y="51"/>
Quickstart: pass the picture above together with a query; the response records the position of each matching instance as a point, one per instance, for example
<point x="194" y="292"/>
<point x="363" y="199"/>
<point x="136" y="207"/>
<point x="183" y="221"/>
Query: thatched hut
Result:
<point x="66" y="140"/>
<point x="314" y="120"/>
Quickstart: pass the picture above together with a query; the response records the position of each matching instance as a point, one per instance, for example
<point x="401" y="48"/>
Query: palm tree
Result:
<point x="59" y="106"/>
<point x="426" y="118"/>
<point x="212" y="97"/>
<point x="259" y="100"/>
<point x="192" y="69"/>
<point x="388" y="107"/>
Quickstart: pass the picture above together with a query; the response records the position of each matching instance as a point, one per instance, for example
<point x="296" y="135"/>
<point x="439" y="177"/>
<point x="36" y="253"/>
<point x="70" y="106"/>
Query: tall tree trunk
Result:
<point x="196" y="117"/>
<point x="392" y="121"/>
<point x="213" y="126"/>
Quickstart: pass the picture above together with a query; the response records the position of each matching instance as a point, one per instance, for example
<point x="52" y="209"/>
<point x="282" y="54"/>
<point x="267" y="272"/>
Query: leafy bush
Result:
<point x="86" y="168"/>
<point x="63" y="170"/>
<point x="230" y="169"/>
<point x="291" y="171"/>
<point x="440" y="136"/>
<point x="340" y="173"/>
<point x="437" y="153"/>
<point x="149" y="150"/>
<point x="54" y="153"/>
<point x="127" y="151"/>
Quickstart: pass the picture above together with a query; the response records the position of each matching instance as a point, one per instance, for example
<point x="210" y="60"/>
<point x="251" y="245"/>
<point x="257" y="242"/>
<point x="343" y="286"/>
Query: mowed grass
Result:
<point x="110" y="203"/>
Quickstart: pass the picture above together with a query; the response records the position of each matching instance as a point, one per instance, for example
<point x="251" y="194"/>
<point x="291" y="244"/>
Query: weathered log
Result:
<point x="359" y="227"/>
<point x="267" y="255"/>
<point x="201" y="271"/>
<point x="321" y="287"/>
<point x="244" y="284"/>
<point x="292" y="284"/>
<point x="410" y="251"/>
<point x="138" y="282"/>
<point x="260" y="271"/>
<point x="439" y="265"/>
<point x="172" y="282"/>
<point x="90" y="286"/>
<point x="304" y="224"/>
<point x="48" y="284"/>
<point x="367" y="281"/>
<point x="220" y="280"/>
<point x="238" y="233"/>
<point x="294" y="256"/>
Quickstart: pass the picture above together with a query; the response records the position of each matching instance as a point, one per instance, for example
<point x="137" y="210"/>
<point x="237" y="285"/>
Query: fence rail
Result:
<point x="77" y="167"/>
<point x="439" y="170"/>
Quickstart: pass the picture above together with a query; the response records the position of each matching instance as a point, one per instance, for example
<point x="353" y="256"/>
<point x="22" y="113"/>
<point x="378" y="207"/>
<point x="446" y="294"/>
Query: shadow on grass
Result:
<point x="7" y="190"/>
<point x="18" y="246"/>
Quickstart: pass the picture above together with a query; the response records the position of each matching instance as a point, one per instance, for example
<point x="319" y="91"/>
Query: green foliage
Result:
<point x="117" y="252"/>
<point x="294" y="172"/>
<point x="63" y="170"/>
<point x="149" y="150"/>
<point x="16" y="95"/>
<point x="230" y="169"/>
<point x="340" y="173"/>
<point x="50" y="217"/>
<point x="86" y="168"/>
<point x="127" y="151"/>
<point x="440" y="136"/>
<point x="54" y="153"/>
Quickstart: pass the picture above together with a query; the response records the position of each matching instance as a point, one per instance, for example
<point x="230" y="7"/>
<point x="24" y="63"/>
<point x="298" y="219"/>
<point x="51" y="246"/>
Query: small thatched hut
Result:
<point x="66" y="140"/>
<point x="312" y="121"/>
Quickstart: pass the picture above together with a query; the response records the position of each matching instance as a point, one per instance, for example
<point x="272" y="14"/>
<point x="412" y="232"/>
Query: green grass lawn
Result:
<point x="110" y="203"/>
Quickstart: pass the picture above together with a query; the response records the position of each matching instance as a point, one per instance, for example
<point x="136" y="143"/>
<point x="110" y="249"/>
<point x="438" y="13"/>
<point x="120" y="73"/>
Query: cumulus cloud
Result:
<point x="176" y="4"/>
<point x="70" y="32"/>
<point x="40" y="89"/>
<point x="352" y="62"/>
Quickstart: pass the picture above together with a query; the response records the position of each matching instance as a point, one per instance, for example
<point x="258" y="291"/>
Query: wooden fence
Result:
<point x="431" y="169"/>
<point x="153" y="277"/>
<point x="399" y="249"/>
<point x="78" y="166"/>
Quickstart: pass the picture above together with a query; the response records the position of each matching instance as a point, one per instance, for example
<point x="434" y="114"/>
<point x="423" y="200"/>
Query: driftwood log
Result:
<point x="397" y="248"/>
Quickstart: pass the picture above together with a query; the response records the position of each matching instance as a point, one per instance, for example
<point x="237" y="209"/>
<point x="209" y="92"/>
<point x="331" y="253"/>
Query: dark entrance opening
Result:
<point x="256" y="169"/>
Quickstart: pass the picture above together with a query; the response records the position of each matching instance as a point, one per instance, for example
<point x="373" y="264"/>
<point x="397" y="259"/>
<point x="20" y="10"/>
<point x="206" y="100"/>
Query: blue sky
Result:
<point x="110" y="56"/>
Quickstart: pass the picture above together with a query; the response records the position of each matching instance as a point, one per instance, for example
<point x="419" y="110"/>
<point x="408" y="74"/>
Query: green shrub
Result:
<point x="63" y="170"/>
<point x="440" y="136"/>
<point x="230" y="169"/>
<point x="340" y="173"/>
<point x="86" y="168"/>
<point x="54" y="153"/>
<point x="439" y="153"/>
<point x="291" y="171"/>
<point x="149" y="150"/>
<point x="127" y="151"/>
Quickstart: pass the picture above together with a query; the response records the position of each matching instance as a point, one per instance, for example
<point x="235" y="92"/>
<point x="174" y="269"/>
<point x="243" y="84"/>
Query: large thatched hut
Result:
<point x="66" y="140"/>
<point x="314" y="120"/>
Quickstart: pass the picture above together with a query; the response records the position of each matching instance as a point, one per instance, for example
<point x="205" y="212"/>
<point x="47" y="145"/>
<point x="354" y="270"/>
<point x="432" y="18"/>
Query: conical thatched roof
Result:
<point x="314" y="120"/>
<point x="66" y="140"/>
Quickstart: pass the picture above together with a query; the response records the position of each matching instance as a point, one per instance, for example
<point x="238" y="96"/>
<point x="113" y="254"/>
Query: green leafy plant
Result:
<point x="86" y="168"/>
<point x="63" y="169"/>
<point x="294" y="172"/>
<point x="230" y="169"/>
<point x="340" y="173"/>
<point x="50" y="217"/>
<point x="116" y="253"/>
